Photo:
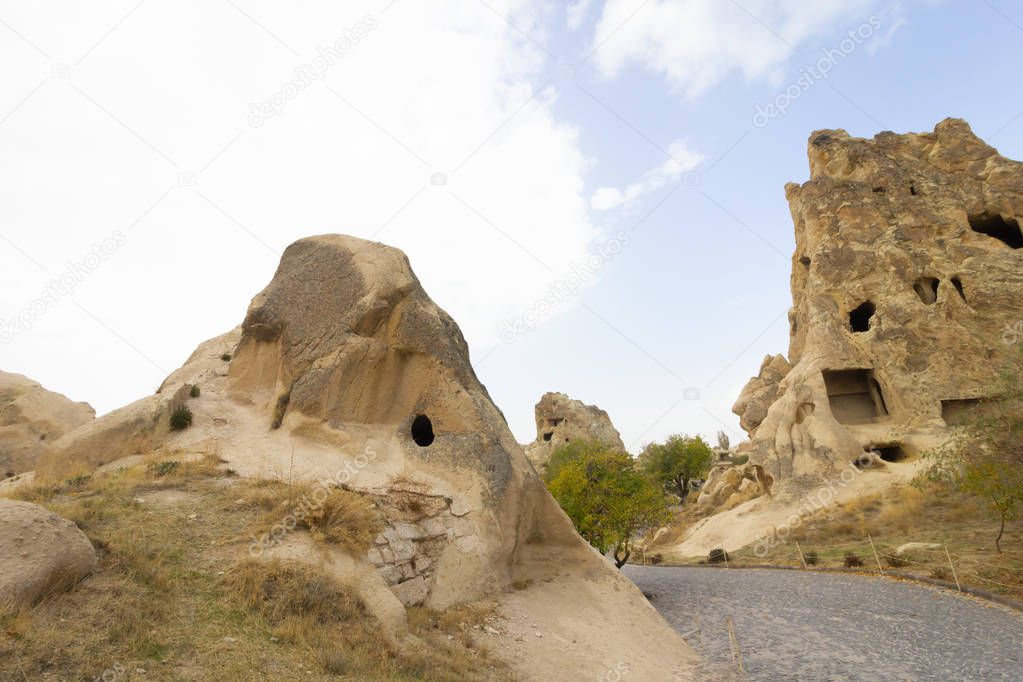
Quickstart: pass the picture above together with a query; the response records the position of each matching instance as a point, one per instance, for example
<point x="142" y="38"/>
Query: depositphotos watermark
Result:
<point x="561" y="289"/>
<point x="62" y="287"/>
<point x="811" y="75"/>
<point x="306" y="74"/>
<point x="311" y="503"/>
<point x="811" y="504"/>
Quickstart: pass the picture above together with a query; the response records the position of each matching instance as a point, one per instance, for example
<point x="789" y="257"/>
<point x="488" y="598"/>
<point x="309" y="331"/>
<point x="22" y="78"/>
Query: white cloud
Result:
<point x="424" y="88"/>
<point x="696" y="43"/>
<point x="671" y="170"/>
<point x="575" y="13"/>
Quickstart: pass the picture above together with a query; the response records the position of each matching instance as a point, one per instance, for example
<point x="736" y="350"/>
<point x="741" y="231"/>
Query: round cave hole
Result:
<point x="422" y="430"/>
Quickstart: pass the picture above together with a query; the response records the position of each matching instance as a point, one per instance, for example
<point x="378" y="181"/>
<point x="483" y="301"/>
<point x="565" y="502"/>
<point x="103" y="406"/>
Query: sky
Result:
<point x="593" y="189"/>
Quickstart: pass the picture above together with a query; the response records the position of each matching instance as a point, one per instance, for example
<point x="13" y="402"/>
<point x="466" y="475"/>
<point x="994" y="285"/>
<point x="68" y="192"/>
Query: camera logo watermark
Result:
<point x="561" y="289"/>
<point x="813" y="74"/>
<point x="62" y="287"/>
<point x="307" y="74"/>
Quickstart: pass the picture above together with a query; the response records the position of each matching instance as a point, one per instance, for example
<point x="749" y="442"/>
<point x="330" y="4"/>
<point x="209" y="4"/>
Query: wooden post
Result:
<point x="734" y="642"/>
<point x="952" y="564"/>
<point x="876" y="557"/>
<point x="725" y="553"/>
<point x="801" y="558"/>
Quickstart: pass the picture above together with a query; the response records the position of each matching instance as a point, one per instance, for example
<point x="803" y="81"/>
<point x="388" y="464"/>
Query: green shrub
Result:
<point x="852" y="561"/>
<point x="181" y="418"/>
<point x="195" y="391"/>
<point x="811" y="558"/>
<point x="717" y="556"/>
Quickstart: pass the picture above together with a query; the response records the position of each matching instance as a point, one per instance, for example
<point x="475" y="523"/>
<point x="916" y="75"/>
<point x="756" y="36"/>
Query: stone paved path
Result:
<point x="793" y="625"/>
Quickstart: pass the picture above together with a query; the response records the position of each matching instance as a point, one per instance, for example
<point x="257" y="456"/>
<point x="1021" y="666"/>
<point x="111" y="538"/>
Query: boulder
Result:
<point x="31" y="419"/>
<point x="560" y="419"/>
<point x="40" y="553"/>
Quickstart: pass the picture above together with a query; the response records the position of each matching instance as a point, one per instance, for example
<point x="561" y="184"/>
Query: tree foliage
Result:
<point x="677" y="462"/>
<point x="608" y="499"/>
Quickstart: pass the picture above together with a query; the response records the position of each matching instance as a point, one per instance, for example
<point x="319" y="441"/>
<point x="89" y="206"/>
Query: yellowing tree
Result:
<point x="604" y="494"/>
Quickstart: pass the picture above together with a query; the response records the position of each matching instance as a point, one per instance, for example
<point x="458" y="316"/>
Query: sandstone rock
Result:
<point x="760" y="392"/>
<point x="344" y="373"/>
<point x="911" y="547"/>
<point x="906" y="275"/>
<point x="39" y="552"/>
<point x="559" y="419"/>
<point x="31" y="419"/>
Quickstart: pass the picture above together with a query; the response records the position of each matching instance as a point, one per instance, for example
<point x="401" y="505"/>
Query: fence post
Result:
<point x="876" y="557"/>
<point x="801" y="558"/>
<point x="734" y="641"/>
<point x="952" y="564"/>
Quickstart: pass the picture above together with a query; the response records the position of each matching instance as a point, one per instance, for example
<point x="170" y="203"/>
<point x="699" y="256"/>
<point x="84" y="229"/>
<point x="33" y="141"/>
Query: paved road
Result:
<point x="823" y="626"/>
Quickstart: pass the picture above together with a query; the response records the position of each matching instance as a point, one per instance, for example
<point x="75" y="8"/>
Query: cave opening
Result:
<point x="422" y="430"/>
<point x="958" y="284"/>
<point x="927" y="289"/>
<point x="1005" y="230"/>
<point x="547" y="436"/>
<point x="855" y="395"/>
<point x="859" y="319"/>
<point x="892" y="452"/>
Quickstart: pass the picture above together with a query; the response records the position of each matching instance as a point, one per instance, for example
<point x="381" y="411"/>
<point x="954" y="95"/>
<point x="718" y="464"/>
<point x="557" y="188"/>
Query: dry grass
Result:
<point x="897" y="516"/>
<point x="331" y="515"/>
<point x="172" y="599"/>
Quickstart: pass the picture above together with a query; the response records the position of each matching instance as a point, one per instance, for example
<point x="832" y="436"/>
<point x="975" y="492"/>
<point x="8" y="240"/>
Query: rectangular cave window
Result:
<point x="959" y="411"/>
<point x="1006" y="230"/>
<point x="547" y="436"/>
<point x="855" y="395"/>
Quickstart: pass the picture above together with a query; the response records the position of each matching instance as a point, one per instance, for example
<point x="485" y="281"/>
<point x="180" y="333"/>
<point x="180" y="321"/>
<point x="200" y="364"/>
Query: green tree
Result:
<point x="604" y="494"/>
<point x="677" y="462"/>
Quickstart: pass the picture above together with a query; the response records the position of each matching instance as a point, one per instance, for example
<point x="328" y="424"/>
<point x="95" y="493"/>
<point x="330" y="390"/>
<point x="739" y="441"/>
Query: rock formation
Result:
<point x="559" y="419"/>
<point x="32" y="418"/>
<point x="344" y="373"/>
<point x="906" y="275"/>
<point x="40" y="552"/>
<point x="907" y="290"/>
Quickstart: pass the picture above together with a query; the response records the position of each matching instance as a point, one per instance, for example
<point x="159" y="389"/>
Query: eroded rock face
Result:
<point x="31" y="419"/>
<point x="560" y="419"/>
<point x="906" y="279"/>
<point x="760" y="392"/>
<point x="40" y="552"/>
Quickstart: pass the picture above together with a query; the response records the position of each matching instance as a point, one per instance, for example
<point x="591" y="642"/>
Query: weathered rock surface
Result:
<point x="906" y="275"/>
<point x="31" y="419"/>
<point x="907" y="290"/>
<point x="560" y="419"/>
<point x="344" y="373"/>
<point x="760" y="392"/>
<point x="40" y="552"/>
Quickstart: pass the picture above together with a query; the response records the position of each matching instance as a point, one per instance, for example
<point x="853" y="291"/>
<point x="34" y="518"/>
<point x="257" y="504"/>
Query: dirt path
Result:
<point x="793" y="625"/>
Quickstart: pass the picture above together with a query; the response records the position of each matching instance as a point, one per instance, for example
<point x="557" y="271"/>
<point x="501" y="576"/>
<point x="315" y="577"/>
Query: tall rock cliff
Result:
<point x="907" y="281"/>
